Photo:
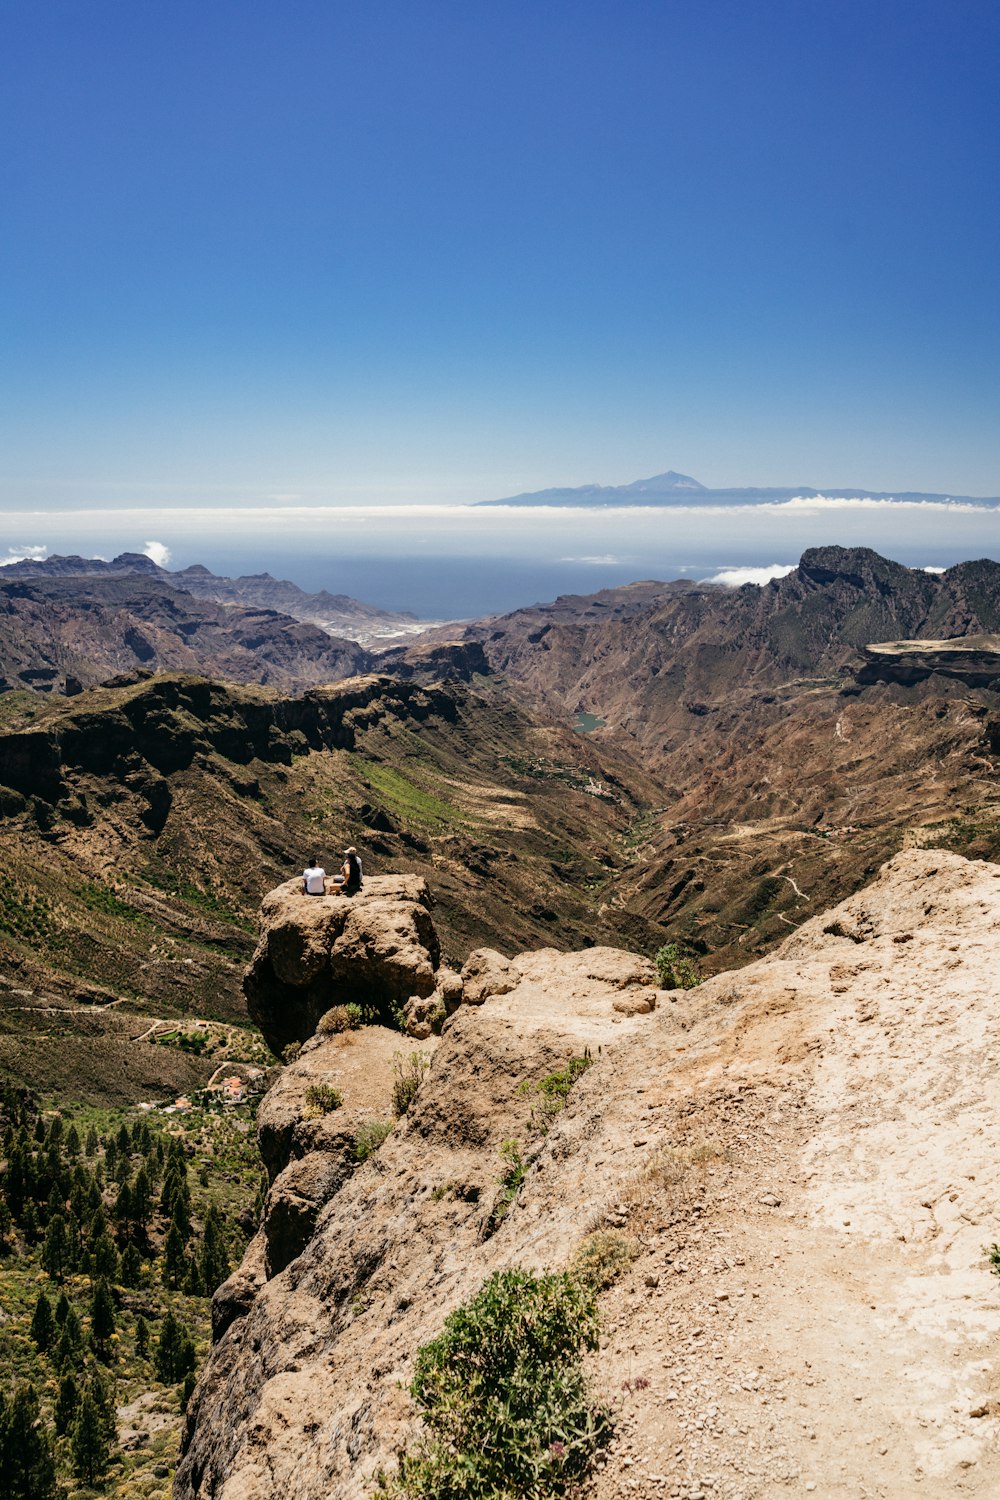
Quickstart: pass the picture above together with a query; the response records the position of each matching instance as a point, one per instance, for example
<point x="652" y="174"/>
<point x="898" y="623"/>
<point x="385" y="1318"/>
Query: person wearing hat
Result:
<point x="348" y="882"/>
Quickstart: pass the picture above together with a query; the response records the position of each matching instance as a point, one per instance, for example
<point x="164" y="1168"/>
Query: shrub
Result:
<point x="408" y="1075"/>
<point x="370" y="1137"/>
<point x="291" y="1052"/>
<point x="322" y="1099"/>
<point x="504" y="1397"/>
<point x="602" y="1257"/>
<point x="510" y="1180"/>
<point x="339" y="1018"/>
<point x="993" y="1256"/>
<point x="676" y="972"/>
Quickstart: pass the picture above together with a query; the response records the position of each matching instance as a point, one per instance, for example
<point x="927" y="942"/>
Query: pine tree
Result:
<point x="39" y="1131"/>
<point x="131" y="1267"/>
<point x="30" y="1226"/>
<point x="43" y="1324"/>
<point x="66" y="1404"/>
<point x="55" y="1130"/>
<point x="54" y="1251"/>
<point x="88" y="1441"/>
<point x="110" y="1154"/>
<point x="123" y="1209"/>
<point x="173" y="1356"/>
<point x="173" y="1256"/>
<point x="102" y="1319"/>
<point x="104" y="1257"/>
<point x="142" y="1198"/>
<point x="123" y="1141"/>
<point x="141" y="1338"/>
<point x="27" y="1465"/>
<point x="6" y="1224"/>
<point x="194" y="1282"/>
<point x="72" y="1141"/>
<point x="92" y="1143"/>
<point x="214" y="1255"/>
<point x="62" y="1309"/>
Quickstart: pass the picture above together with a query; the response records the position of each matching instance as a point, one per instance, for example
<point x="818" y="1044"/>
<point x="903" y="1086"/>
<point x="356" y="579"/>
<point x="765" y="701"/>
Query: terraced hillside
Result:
<point x="142" y="824"/>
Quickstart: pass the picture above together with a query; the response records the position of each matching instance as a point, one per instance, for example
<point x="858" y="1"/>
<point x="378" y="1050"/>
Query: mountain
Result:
<point x="337" y="614"/>
<point x="71" y="630"/>
<point x="680" y="489"/>
<point x="141" y="825"/>
<point x="792" y="758"/>
<point x="773" y="1192"/>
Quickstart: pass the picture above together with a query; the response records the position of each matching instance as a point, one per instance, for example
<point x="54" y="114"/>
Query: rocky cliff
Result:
<point x="801" y="1156"/>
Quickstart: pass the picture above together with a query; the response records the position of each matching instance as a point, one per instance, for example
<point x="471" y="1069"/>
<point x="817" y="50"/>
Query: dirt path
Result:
<point x="812" y="1309"/>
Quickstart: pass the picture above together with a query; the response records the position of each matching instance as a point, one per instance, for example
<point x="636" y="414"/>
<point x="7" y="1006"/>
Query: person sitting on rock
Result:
<point x="348" y="882"/>
<point x="314" y="878"/>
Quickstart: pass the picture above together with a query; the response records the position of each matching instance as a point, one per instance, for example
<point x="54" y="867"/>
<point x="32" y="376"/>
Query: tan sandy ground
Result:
<point x="813" y="1309"/>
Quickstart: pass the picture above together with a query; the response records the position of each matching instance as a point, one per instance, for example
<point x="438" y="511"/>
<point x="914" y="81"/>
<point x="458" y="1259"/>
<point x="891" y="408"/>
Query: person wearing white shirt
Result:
<point x="314" y="878"/>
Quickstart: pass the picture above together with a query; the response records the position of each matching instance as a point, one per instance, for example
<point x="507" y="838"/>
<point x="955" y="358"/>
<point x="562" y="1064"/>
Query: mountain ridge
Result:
<point x="336" y="614"/>
<point x="671" y="488"/>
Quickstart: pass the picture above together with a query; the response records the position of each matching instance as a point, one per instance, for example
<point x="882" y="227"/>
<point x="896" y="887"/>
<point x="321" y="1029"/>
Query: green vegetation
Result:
<point x="992" y="1254"/>
<point x="99" y="898"/>
<point x="322" y="1099"/>
<point x="675" y="970"/>
<point x="408" y="1074"/>
<point x="510" y="1180"/>
<point x="25" y="914"/>
<point x="413" y="804"/>
<point x="209" y="902"/>
<point x="370" y="1137"/>
<point x="602" y="1257"/>
<point x="554" y="1089"/>
<point x="114" y="1230"/>
<point x="504" y="1398"/>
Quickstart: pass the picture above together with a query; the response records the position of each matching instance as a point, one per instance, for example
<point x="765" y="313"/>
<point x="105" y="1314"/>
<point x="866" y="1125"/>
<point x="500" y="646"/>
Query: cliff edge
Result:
<point x="801" y="1154"/>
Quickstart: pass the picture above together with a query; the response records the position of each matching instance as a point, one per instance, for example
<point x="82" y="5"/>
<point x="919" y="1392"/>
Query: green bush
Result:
<point x="408" y="1074"/>
<point x="510" y="1179"/>
<point x="504" y="1398"/>
<point x="676" y="972"/>
<point x="323" y="1099"/>
<point x="370" y="1137"/>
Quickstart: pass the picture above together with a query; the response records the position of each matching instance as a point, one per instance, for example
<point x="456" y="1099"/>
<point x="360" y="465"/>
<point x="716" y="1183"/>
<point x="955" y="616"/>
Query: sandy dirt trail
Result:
<point x="813" y="1311"/>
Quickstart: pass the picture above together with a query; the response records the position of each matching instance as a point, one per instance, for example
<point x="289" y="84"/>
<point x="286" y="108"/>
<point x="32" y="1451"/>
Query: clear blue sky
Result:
<point x="452" y="249"/>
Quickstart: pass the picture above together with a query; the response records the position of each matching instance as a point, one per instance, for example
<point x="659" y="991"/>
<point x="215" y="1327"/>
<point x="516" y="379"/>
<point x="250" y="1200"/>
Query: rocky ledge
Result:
<point x="800" y="1155"/>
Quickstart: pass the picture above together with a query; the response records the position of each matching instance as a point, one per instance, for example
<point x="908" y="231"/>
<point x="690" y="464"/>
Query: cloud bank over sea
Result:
<point x="466" y="560"/>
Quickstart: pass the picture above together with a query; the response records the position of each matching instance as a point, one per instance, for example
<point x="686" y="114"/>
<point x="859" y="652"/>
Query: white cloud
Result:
<point x="23" y="554"/>
<point x="157" y="553"/>
<point x="935" y="570"/>
<point x="604" y="560"/>
<point x="734" y="578"/>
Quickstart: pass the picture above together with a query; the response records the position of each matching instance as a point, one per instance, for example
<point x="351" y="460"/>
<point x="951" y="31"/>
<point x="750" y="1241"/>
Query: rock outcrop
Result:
<point x="377" y="949"/>
<point x="802" y="1153"/>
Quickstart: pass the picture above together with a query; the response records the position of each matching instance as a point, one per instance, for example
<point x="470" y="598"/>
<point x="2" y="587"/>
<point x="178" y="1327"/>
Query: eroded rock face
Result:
<point x="376" y="949"/>
<point x="843" y="1092"/>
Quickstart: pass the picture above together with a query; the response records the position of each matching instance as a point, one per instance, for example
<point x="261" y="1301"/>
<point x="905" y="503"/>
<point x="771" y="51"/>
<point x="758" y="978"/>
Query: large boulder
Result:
<point x="376" y="949"/>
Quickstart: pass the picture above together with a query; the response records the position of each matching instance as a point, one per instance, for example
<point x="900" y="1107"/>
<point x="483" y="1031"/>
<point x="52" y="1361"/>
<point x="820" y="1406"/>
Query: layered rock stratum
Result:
<point x="802" y="1151"/>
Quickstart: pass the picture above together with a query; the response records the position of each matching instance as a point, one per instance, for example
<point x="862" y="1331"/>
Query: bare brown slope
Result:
<point x="804" y="1153"/>
<point x="92" y="628"/>
<point x="652" y="660"/>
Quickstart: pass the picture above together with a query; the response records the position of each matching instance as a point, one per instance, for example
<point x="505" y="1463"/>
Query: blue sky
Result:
<point x="444" y="250"/>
